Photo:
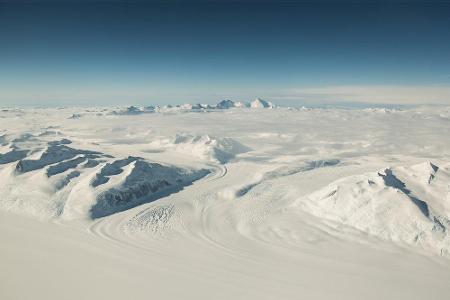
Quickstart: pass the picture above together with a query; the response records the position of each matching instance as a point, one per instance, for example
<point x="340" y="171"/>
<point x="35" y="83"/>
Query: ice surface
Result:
<point x="195" y="202"/>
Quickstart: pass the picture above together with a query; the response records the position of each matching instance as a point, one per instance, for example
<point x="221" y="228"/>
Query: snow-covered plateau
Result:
<point x="229" y="201"/>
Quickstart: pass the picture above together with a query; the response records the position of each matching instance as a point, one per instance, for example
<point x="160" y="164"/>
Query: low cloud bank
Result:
<point x="377" y="94"/>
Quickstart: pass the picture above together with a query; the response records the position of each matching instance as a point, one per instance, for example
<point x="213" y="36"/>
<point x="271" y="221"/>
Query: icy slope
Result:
<point x="406" y="205"/>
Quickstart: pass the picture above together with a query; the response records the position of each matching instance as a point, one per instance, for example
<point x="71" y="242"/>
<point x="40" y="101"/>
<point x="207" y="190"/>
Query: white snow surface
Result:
<point x="223" y="202"/>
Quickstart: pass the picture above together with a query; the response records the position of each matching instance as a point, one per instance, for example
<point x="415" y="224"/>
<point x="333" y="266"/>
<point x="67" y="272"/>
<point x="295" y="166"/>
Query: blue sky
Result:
<point x="101" y="53"/>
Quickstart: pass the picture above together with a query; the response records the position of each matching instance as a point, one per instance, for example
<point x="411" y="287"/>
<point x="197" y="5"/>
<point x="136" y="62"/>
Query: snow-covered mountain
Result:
<point x="224" y="104"/>
<point x="260" y="103"/>
<point x="409" y="205"/>
<point x="61" y="181"/>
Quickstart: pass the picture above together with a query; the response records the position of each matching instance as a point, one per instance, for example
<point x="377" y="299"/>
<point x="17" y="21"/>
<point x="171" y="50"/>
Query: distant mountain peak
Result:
<point x="260" y="103"/>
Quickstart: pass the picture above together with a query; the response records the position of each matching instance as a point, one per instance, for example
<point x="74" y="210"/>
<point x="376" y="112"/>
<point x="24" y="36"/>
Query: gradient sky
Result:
<point x="102" y="53"/>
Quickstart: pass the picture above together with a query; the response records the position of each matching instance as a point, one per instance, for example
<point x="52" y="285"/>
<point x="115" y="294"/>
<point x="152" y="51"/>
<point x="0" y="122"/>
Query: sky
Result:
<point x="68" y="52"/>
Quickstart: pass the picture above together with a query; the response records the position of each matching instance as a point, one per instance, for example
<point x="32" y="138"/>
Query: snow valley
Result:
<point x="226" y="201"/>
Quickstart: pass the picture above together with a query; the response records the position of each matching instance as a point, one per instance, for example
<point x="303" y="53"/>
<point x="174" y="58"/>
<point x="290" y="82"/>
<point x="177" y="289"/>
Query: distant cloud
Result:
<point x="379" y="94"/>
<point x="125" y="94"/>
